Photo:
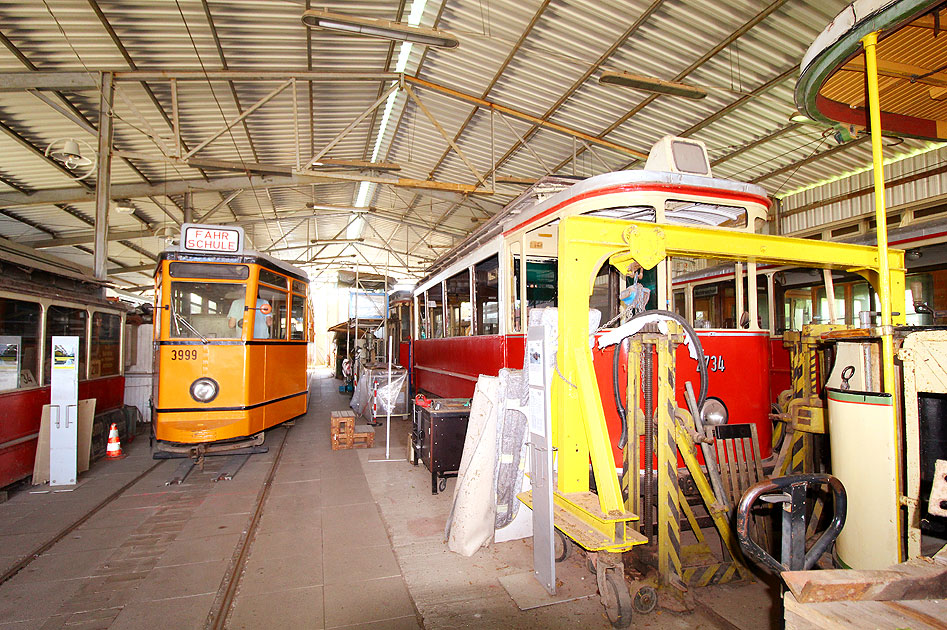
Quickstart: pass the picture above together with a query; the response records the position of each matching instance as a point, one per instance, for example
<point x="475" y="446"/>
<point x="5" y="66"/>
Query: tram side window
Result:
<point x="541" y="286"/>
<point x="275" y="279"/>
<point x="714" y="305"/>
<point x="487" y="295"/>
<point x="404" y="318"/>
<point x="205" y="309"/>
<point x="680" y="303"/>
<point x="298" y="318"/>
<point x="822" y="316"/>
<point x="19" y="343"/>
<point x="435" y="303"/>
<point x="423" y="330"/>
<point x="272" y="325"/>
<point x="106" y="344"/>
<point x="62" y="320"/>
<point x="458" y="304"/>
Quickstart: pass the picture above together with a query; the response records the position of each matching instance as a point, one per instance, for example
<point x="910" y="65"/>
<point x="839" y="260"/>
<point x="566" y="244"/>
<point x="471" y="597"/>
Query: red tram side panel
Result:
<point x="738" y="369"/>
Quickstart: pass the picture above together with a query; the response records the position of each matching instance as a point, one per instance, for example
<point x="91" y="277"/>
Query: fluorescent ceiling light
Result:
<point x="371" y="27"/>
<point x="652" y="84"/>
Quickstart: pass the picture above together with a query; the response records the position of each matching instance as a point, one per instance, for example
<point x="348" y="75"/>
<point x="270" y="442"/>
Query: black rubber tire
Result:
<point x="563" y="545"/>
<point x="645" y="599"/>
<point x="442" y="484"/>
<point x="617" y="600"/>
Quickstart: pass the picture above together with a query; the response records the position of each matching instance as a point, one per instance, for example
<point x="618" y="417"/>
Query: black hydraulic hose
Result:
<point x="616" y="359"/>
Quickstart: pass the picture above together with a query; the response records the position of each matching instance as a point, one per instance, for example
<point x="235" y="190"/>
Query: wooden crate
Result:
<point x="345" y="434"/>
<point x="342" y="421"/>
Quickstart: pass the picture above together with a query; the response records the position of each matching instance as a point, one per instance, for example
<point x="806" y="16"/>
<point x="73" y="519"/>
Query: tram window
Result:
<point x="423" y="330"/>
<point x="202" y="309"/>
<point x="435" y="304"/>
<point x="822" y="315"/>
<point x="919" y="300"/>
<point x="106" y="344"/>
<point x="298" y="318"/>
<point x="680" y="303"/>
<point x="458" y="304"/>
<point x="404" y="317"/>
<point x="62" y="320"/>
<point x="714" y="305"/>
<point x="208" y="271"/>
<point x="863" y="299"/>
<point x="487" y="295"/>
<point x="19" y="343"/>
<point x="541" y="285"/>
<point x="272" y="325"/>
<point x="275" y="279"/>
<point x="798" y="308"/>
<point x="299" y="286"/>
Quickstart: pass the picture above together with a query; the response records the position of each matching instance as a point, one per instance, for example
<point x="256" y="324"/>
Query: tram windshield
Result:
<point x="200" y="309"/>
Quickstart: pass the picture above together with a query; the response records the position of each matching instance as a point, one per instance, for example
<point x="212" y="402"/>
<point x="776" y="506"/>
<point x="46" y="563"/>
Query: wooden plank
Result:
<point x="923" y="578"/>
<point x="850" y="615"/>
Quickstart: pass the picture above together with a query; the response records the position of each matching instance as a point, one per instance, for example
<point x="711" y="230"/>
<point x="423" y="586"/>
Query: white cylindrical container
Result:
<point x="863" y="442"/>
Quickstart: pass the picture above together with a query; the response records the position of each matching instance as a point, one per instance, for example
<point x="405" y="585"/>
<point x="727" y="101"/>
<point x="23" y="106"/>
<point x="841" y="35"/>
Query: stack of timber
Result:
<point x="912" y="595"/>
<point x="346" y="434"/>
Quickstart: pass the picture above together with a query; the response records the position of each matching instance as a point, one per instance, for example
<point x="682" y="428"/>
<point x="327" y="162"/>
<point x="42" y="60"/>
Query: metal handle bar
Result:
<point x="792" y="490"/>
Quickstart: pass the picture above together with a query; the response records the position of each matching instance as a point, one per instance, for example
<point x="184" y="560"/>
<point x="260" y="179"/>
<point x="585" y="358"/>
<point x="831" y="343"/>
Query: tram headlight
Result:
<point x="204" y="389"/>
<point x="714" y="412"/>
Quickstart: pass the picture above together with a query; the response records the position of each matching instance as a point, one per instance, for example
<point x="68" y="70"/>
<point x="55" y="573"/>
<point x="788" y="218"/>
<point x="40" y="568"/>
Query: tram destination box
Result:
<point x="438" y="437"/>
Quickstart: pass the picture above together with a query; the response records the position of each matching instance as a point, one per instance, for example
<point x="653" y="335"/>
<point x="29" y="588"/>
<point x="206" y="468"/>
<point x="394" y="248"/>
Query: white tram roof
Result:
<point x="246" y="255"/>
<point x="550" y="192"/>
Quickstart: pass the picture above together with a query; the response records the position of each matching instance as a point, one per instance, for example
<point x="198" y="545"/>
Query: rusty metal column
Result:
<point x="189" y="207"/>
<point x="103" y="178"/>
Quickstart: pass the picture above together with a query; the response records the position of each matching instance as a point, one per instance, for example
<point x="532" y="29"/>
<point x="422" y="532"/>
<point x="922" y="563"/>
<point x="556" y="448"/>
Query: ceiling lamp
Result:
<point x="67" y="151"/>
<point x="371" y="27"/>
<point x="651" y="84"/>
<point x="124" y="206"/>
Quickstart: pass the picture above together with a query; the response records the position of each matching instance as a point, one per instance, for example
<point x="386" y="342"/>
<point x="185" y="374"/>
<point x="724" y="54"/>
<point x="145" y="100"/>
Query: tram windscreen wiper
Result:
<point x="180" y="319"/>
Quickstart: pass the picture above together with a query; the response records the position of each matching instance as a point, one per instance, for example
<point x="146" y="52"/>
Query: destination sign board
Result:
<point x="211" y="238"/>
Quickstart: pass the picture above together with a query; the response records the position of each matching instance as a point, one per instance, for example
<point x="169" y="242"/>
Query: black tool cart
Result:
<point x="439" y="431"/>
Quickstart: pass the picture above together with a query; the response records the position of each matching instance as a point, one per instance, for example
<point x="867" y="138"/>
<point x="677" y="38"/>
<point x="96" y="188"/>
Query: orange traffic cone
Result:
<point x="114" y="448"/>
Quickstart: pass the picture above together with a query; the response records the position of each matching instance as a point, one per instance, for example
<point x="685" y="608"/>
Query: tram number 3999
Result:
<point x="184" y="355"/>
<point x="715" y="362"/>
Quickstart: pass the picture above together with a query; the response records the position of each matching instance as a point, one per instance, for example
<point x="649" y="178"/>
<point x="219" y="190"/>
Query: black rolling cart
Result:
<point x="438" y="437"/>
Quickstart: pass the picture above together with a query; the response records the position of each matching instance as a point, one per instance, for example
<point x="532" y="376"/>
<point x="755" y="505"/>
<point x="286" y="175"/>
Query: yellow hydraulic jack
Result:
<point x="679" y="565"/>
<point x="601" y="522"/>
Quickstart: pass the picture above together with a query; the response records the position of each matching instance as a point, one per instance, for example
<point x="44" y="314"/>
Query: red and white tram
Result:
<point x="469" y="307"/>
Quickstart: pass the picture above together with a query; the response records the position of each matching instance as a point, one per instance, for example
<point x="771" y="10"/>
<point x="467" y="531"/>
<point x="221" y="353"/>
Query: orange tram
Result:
<point x="231" y="331"/>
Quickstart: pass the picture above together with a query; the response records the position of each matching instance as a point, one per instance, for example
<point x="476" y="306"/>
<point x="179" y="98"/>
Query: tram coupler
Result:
<point x="250" y="446"/>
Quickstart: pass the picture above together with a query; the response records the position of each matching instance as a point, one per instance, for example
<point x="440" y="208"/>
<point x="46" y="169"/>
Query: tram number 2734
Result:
<point x="184" y="354"/>
<point x="715" y="362"/>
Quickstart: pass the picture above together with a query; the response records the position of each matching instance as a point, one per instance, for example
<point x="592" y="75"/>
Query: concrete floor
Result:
<point x="344" y="541"/>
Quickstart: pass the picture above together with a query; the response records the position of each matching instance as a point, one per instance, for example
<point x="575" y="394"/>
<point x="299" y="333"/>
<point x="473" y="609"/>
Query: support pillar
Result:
<point x="103" y="178"/>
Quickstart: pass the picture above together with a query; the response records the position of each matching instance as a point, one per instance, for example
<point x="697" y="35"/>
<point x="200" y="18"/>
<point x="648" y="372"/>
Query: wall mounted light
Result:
<point x="383" y="29"/>
<point x="652" y="84"/>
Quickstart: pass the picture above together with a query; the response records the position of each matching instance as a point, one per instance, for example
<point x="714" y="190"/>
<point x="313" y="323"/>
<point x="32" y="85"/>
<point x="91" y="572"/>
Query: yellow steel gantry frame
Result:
<point x="579" y="431"/>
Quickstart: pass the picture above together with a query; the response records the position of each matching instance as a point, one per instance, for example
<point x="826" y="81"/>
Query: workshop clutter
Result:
<point x="345" y="434"/>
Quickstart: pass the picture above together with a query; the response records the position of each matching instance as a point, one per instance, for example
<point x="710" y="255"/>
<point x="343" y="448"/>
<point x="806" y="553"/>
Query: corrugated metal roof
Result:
<point x="538" y="58"/>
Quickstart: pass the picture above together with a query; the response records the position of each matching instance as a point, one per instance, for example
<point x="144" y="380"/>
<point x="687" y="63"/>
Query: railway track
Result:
<point x="223" y="602"/>
<point x="36" y="553"/>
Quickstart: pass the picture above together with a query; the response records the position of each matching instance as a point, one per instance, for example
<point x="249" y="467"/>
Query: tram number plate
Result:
<point x="715" y="362"/>
<point x="184" y="355"/>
